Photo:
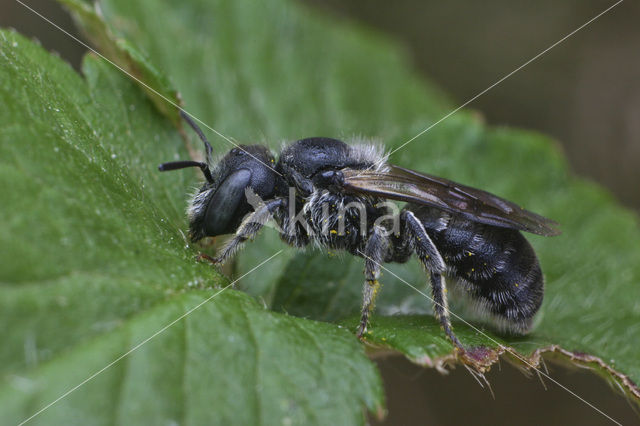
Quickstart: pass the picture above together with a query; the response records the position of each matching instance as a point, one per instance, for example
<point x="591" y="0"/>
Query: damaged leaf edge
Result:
<point x="535" y="361"/>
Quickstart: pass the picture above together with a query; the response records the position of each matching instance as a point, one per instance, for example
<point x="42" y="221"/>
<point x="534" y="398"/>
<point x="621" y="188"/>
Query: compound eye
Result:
<point x="227" y="206"/>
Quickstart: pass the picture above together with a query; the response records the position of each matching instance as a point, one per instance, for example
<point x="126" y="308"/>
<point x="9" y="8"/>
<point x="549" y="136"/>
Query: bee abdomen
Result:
<point x="497" y="267"/>
<point x="511" y="291"/>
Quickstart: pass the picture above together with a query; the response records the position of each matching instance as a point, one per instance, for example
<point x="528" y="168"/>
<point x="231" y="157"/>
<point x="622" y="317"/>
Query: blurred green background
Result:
<point x="585" y="92"/>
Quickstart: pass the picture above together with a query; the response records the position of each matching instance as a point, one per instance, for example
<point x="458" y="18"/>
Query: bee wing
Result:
<point x="477" y="205"/>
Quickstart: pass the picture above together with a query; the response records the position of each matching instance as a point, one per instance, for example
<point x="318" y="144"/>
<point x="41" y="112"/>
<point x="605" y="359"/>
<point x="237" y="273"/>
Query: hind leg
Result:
<point x="433" y="263"/>
<point x="441" y="307"/>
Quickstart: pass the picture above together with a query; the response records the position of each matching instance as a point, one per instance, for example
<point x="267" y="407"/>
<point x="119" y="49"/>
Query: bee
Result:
<point x="324" y="192"/>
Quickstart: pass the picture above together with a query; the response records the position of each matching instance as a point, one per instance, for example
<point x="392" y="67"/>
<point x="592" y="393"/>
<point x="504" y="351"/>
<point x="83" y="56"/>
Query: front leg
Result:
<point x="374" y="254"/>
<point x="248" y="229"/>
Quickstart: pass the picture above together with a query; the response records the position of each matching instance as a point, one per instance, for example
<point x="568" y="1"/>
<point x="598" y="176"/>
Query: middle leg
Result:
<point x="374" y="254"/>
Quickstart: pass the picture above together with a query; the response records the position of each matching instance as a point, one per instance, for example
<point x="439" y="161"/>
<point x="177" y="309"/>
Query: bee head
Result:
<point x="221" y="203"/>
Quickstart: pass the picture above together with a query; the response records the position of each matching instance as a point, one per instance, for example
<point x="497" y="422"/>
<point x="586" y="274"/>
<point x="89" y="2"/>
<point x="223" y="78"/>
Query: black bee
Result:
<point x="322" y="191"/>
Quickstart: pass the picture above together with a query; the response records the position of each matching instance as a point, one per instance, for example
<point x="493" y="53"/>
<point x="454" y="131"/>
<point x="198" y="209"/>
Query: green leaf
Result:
<point x="80" y="288"/>
<point x="272" y="72"/>
<point x="126" y="57"/>
<point x="95" y="265"/>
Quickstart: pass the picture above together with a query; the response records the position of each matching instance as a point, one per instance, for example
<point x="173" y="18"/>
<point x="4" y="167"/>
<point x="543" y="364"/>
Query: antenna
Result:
<point x="198" y="130"/>
<point x="175" y="165"/>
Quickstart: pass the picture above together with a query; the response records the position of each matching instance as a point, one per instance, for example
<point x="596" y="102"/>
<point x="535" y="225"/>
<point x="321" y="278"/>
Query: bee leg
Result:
<point x="421" y="243"/>
<point x="204" y="256"/>
<point x="431" y="260"/>
<point x="374" y="254"/>
<point x="441" y="309"/>
<point x="248" y="229"/>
